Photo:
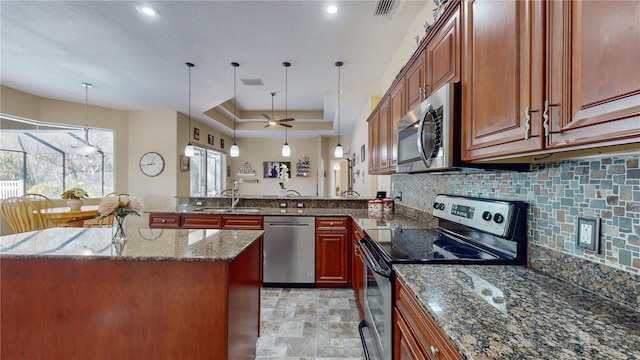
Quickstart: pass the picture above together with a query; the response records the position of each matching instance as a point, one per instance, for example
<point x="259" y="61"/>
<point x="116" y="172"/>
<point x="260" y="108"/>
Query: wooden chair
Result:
<point x="108" y="221"/>
<point x="42" y="203"/>
<point x="21" y="214"/>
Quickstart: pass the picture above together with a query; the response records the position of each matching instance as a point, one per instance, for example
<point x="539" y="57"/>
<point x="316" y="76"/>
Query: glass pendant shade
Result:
<point x="286" y="150"/>
<point x="188" y="150"/>
<point x="234" y="151"/>
<point x="338" y="152"/>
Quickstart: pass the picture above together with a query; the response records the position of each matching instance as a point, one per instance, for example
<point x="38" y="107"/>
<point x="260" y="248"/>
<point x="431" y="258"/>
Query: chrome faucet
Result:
<point x="235" y="195"/>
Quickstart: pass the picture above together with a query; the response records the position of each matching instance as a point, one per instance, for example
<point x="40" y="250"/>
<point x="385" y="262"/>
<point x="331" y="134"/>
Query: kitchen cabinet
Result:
<point x="201" y="221"/>
<point x="415" y="80"/>
<point x="242" y="222"/>
<point x="384" y="140"/>
<point x="585" y="93"/>
<point x="167" y="221"/>
<point x="357" y="268"/>
<point x="416" y="334"/>
<point x="374" y="142"/>
<point x="443" y="54"/>
<point x="333" y="243"/>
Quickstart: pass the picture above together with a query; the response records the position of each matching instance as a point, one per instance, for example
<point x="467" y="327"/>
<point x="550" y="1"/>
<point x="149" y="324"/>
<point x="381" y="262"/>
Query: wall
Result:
<point x="607" y="187"/>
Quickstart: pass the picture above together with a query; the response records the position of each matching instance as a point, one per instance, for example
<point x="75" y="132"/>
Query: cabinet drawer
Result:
<point x="242" y="222"/>
<point x="164" y="221"/>
<point x="201" y="221"/>
<point x="332" y="224"/>
<point x="426" y="332"/>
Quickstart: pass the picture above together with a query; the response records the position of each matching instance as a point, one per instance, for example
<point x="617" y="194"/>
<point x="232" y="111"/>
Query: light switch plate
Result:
<point x="588" y="233"/>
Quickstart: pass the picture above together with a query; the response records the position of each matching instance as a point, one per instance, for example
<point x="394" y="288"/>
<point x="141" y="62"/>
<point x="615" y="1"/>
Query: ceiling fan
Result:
<point x="271" y="120"/>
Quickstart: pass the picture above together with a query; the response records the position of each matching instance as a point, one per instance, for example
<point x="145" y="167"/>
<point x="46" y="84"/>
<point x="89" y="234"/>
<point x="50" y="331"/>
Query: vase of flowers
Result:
<point x="75" y="198"/>
<point x="119" y="207"/>
<point x="284" y="177"/>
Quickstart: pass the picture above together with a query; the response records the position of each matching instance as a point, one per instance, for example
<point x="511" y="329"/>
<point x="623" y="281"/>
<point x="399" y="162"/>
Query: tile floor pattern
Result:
<point x="305" y="324"/>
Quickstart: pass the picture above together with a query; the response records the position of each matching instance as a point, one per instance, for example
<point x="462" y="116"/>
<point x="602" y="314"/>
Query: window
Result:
<point x="206" y="172"/>
<point x="38" y="157"/>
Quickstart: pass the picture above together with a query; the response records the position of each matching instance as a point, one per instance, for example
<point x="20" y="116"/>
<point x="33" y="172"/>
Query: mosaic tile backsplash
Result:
<point x="607" y="187"/>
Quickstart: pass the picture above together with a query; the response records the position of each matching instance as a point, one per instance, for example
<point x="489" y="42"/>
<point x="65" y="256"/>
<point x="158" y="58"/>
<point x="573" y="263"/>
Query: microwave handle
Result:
<point x="427" y="161"/>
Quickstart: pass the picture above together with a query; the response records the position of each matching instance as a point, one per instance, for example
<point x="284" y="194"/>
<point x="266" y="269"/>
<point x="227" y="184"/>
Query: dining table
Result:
<point x="64" y="216"/>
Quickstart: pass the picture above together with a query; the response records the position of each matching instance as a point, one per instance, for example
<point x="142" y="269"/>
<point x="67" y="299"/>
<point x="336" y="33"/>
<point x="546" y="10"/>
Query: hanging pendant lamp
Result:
<point x="338" y="152"/>
<point x="86" y="148"/>
<point x="234" y="151"/>
<point x="286" y="150"/>
<point x="188" y="150"/>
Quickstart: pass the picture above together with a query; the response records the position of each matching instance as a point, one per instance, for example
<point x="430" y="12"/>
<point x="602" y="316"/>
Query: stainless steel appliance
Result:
<point x="429" y="136"/>
<point x="289" y="251"/>
<point x="470" y="231"/>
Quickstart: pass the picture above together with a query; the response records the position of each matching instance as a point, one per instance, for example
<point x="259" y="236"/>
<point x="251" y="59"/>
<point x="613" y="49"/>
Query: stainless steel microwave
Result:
<point x="425" y="134"/>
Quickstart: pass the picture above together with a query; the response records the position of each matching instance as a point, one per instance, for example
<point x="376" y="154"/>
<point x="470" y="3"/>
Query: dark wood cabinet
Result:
<point x="384" y="135"/>
<point x="201" y="221"/>
<point x="443" y="55"/>
<point x="415" y="80"/>
<point x="416" y="334"/>
<point x="167" y="221"/>
<point x="374" y="142"/>
<point x="333" y="242"/>
<point x="242" y="222"/>
<point x="548" y="76"/>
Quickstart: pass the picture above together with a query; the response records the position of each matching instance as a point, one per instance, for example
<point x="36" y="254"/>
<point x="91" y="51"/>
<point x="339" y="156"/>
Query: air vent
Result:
<point x="252" y="82"/>
<point x="385" y="7"/>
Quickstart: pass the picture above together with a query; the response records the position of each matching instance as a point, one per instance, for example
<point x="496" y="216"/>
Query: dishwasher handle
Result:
<point x="285" y="225"/>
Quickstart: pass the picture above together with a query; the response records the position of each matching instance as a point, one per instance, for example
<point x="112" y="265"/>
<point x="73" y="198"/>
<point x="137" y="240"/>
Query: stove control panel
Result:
<point x="489" y="215"/>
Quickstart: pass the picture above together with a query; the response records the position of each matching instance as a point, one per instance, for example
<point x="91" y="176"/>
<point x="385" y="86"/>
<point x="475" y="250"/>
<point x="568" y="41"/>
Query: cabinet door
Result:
<point x="374" y="143"/>
<point x="415" y="81"/>
<point x="503" y="55"/>
<point x="398" y="110"/>
<point x="201" y="221"/>
<point x="443" y="55"/>
<point x="332" y="264"/>
<point x="383" y="133"/>
<point x="167" y="221"/>
<point x="246" y="222"/>
<point x="594" y="82"/>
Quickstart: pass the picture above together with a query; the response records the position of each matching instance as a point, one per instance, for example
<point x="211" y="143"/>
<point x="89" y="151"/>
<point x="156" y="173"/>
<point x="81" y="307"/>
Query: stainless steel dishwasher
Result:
<point x="289" y="251"/>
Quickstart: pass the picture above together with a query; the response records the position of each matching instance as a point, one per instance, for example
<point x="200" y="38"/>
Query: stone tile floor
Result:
<point x="309" y="324"/>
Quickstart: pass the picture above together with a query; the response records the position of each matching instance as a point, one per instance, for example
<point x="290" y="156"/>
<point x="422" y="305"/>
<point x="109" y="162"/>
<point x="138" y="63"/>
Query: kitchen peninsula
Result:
<point x="191" y="294"/>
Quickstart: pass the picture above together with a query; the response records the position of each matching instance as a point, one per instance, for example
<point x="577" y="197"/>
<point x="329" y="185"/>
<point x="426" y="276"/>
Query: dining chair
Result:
<point x="42" y="203"/>
<point x="21" y="214"/>
<point x="108" y="221"/>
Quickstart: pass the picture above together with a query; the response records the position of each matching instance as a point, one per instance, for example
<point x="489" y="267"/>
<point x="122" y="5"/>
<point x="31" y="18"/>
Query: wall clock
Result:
<point x="151" y="163"/>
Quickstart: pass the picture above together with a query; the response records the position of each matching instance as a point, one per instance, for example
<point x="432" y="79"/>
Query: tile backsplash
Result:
<point x="557" y="193"/>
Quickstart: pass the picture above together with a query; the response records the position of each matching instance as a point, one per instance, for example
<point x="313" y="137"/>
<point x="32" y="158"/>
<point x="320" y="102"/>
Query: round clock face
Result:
<point x="151" y="164"/>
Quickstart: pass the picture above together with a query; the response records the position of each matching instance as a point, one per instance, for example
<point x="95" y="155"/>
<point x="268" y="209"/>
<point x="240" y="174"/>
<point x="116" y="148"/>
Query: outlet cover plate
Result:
<point x="588" y="233"/>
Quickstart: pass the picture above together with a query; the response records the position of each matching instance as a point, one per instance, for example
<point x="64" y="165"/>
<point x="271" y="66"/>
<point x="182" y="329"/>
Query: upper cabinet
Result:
<point x="415" y="80"/>
<point x="525" y="94"/>
<point x="443" y="55"/>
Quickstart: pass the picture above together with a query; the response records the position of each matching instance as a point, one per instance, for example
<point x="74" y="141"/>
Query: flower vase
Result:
<point x="282" y="192"/>
<point x="119" y="238"/>
<point x="74" y="204"/>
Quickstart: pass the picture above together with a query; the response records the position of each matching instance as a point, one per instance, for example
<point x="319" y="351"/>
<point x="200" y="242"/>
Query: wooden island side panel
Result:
<point x="101" y="308"/>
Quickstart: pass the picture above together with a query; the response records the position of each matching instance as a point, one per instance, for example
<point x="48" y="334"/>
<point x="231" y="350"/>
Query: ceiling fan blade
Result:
<point x="285" y="125"/>
<point x="287" y="119"/>
<point x="267" y="125"/>
<point x="266" y="116"/>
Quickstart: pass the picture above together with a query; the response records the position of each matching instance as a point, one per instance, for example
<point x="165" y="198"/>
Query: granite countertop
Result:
<point x="142" y="243"/>
<point x="512" y="312"/>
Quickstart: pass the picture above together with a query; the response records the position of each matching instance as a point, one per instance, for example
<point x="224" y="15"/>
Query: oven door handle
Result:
<point x="374" y="264"/>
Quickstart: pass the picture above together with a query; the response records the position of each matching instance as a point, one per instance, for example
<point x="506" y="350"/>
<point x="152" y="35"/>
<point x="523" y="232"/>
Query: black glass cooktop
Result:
<point x="426" y="245"/>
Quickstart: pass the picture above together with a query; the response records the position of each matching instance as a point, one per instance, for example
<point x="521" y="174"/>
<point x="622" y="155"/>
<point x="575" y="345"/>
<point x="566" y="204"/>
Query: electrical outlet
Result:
<point x="588" y="233"/>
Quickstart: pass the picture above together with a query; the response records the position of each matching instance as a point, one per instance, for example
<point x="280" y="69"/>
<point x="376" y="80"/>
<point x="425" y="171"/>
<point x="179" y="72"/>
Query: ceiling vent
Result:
<point x="385" y="7"/>
<point x="252" y="82"/>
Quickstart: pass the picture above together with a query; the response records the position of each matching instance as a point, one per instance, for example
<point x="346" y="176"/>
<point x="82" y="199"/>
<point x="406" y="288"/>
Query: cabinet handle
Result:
<point x="433" y="351"/>
<point x="164" y="220"/>
<point x="420" y="93"/>
<point x="545" y="116"/>
<point x="527" y="124"/>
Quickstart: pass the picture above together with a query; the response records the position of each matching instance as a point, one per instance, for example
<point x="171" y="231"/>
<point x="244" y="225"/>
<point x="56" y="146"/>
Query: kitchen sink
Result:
<point x="216" y="210"/>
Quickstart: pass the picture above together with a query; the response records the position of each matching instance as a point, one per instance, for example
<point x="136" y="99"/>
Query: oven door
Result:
<point x="378" y="301"/>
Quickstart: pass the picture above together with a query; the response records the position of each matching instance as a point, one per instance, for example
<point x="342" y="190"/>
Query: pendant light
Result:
<point x="188" y="150"/>
<point x="86" y="148"/>
<point x="338" y="152"/>
<point x="286" y="150"/>
<point x="234" y="151"/>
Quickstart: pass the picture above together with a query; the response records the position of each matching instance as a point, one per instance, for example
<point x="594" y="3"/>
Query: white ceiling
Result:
<point x="48" y="48"/>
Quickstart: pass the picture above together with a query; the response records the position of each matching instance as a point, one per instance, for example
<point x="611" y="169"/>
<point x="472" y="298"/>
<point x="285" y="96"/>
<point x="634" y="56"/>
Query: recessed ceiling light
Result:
<point x="332" y="9"/>
<point x="147" y="10"/>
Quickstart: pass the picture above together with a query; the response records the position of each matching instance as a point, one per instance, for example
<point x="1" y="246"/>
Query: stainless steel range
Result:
<point x="470" y="231"/>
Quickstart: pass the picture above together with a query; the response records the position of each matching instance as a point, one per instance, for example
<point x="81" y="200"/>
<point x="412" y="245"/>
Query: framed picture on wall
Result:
<point x="271" y="169"/>
<point x="210" y="139"/>
<point x="221" y="143"/>
<point x="184" y="163"/>
<point x="196" y="133"/>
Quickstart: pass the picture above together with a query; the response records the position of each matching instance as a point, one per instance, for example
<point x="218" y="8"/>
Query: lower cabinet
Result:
<point x="242" y="222"/>
<point x="166" y="221"/>
<point x="333" y="255"/>
<point x="201" y="221"/>
<point x="415" y="334"/>
<point x="206" y="221"/>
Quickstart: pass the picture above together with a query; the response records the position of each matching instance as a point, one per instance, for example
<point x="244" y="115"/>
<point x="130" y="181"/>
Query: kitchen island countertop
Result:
<point x="512" y="312"/>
